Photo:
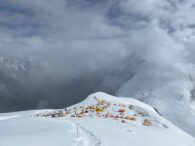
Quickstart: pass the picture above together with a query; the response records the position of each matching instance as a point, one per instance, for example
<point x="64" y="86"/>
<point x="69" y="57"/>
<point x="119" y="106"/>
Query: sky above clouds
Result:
<point x="100" y="44"/>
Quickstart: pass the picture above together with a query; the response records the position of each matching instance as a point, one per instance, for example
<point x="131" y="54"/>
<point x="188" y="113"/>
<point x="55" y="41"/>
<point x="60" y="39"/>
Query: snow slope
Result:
<point x="168" y="90"/>
<point x="100" y="120"/>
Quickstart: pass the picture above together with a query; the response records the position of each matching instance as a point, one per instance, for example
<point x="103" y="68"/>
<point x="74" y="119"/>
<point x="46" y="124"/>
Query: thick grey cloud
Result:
<point x="71" y="43"/>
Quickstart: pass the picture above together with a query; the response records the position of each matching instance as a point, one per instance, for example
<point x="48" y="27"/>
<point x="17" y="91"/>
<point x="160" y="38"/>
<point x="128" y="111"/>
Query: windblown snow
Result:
<point x="100" y="120"/>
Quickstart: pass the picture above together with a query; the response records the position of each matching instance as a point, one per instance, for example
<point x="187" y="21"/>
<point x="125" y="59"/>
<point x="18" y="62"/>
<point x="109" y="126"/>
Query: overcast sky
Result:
<point x="88" y="31"/>
<point x="99" y="41"/>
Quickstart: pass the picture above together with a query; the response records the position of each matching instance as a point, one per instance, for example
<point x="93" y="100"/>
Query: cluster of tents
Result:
<point x="102" y="109"/>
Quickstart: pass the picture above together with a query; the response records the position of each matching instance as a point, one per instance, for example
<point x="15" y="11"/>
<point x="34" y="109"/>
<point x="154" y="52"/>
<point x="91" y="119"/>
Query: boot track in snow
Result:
<point x="85" y="137"/>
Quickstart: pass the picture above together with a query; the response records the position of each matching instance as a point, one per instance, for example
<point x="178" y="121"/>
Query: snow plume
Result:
<point x="143" y="49"/>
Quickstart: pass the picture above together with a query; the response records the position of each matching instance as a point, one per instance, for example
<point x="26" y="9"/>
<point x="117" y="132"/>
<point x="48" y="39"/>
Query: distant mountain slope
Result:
<point x="169" y="90"/>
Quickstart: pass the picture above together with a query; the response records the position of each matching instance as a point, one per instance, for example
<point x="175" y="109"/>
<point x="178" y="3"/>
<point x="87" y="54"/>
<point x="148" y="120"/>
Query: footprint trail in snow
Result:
<point x="85" y="137"/>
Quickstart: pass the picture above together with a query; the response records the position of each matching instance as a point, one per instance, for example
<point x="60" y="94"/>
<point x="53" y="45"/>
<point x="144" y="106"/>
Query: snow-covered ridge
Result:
<point x="15" y="63"/>
<point x="101" y="105"/>
<point x="100" y="120"/>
